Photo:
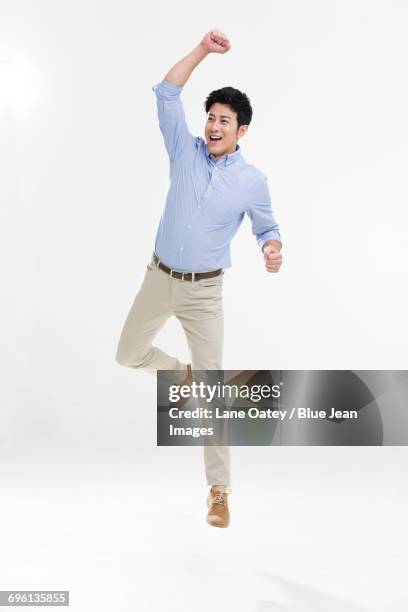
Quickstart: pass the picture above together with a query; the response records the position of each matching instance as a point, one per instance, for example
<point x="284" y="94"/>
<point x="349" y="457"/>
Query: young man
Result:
<point x="211" y="190"/>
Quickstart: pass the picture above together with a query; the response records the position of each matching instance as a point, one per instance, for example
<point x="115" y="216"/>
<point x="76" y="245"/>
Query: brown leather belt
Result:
<point x="187" y="276"/>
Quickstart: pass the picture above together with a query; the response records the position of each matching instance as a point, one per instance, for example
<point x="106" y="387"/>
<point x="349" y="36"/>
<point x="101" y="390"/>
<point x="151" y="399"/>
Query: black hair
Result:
<point x="235" y="99"/>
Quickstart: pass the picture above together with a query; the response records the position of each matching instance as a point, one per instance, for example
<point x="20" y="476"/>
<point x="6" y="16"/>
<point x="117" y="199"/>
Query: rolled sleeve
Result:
<point x="264" y="226"/>
<point x="171" y="117"/>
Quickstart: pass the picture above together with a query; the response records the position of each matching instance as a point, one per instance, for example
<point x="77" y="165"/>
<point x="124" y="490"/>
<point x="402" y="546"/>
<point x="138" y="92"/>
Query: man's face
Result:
<point x="221" y="130"/>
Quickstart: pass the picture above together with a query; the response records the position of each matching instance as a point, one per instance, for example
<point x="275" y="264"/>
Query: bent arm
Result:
<point x="264" y="226"/>
<point x="169" y="106"/>
<point x="170" y="110"/>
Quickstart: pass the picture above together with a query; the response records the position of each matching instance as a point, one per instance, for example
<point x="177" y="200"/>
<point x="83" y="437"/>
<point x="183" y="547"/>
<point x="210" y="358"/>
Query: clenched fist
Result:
<point x="272" y="259"/>
<point x="216" y="41"/>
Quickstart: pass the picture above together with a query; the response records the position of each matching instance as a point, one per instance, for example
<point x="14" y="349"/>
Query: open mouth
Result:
<point x="215" y="139"/>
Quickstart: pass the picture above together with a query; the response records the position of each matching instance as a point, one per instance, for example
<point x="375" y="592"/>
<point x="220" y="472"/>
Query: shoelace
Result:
<point x="219" y="499"/>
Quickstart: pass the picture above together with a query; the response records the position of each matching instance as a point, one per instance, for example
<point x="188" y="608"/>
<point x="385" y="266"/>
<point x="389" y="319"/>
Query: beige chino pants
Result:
<point x="198" y="307"/>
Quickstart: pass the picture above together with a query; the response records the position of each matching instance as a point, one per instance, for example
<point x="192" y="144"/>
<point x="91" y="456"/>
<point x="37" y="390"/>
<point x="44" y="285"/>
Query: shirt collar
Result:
<point x="225" y="160"/>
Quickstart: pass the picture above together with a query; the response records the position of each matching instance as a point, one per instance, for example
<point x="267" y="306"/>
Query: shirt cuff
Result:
<point x="269" y="236"/>
<point x="166" y="90"/>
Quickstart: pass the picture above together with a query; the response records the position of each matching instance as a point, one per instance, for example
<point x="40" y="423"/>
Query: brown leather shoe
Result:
<point x="218" y="513"/>
<point x="187" y="381"/>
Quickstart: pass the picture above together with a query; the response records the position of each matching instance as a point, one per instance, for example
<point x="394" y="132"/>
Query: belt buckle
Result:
<point x="171" y="273"/>
<point x="182" y="276"/>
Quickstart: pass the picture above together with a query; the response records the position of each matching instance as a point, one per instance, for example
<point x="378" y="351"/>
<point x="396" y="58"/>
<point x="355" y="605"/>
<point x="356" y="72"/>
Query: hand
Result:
<point x="216" y="41"/>
<point x="273" y="259"/>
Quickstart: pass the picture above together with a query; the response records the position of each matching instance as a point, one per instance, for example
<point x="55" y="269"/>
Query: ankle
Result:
<point x="219" y="488"/>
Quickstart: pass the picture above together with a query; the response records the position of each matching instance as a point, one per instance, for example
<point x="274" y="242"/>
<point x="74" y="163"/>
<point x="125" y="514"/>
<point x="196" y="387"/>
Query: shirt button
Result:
<point x="199" y="206"/>
<point x="188" y="226"/>
<point x="181" y="248"/>
<point x="210" y="187"/>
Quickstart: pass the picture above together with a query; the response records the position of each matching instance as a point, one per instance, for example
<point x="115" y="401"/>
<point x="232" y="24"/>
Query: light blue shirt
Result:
<point x="207" y="198"/>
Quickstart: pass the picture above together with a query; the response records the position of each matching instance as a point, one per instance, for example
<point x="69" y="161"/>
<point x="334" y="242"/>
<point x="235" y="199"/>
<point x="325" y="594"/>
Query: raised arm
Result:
<point x="214" y="41"/>
<point x="169" y="106"/>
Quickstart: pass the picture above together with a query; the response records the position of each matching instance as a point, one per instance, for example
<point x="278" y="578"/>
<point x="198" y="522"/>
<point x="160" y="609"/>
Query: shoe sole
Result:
<point x="217" y="525"/>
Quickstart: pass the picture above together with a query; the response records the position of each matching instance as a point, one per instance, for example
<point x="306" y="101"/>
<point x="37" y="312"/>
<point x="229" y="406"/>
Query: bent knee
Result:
<point x="130" y="359"/>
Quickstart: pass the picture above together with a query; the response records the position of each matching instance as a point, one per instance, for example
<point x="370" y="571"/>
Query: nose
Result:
<point x="214" y="129"/>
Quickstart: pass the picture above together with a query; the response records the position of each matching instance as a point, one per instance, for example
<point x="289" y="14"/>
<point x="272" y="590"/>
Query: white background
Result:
<point x="88" y="500"/>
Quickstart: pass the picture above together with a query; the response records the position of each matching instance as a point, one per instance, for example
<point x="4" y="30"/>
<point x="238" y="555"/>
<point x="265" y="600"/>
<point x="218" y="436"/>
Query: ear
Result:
<point x="241" y="131"/>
